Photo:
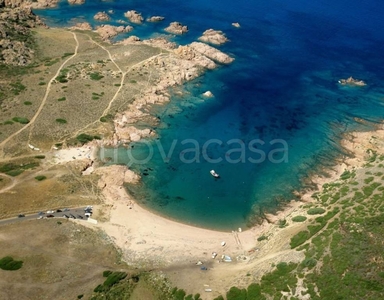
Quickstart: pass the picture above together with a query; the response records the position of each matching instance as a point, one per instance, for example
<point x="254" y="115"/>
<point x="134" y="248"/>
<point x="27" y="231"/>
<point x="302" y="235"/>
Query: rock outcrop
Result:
<point x="76" y="1"/>
<point x="82" y="26"/>
<point x="155" y="19"/>
<point x="108" y="31"/>
<point x="211" y="52"/>
<point x="134" y="16"/>
<point x="176" y="28"/>
<point x="16" y="41"/>
<point x="188" y="53"/>
<point x="352" y="81"/>
<point x="102" y="16"/>
<point x="235" y="24"/>
<point x="216" y="37"/>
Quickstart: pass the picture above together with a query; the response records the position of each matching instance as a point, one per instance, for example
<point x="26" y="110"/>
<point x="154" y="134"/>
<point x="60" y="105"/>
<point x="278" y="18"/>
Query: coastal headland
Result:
<point x="81" y="92"/>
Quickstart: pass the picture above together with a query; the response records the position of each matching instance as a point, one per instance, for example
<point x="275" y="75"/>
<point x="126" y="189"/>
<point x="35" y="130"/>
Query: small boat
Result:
<point x="214" y="174"/>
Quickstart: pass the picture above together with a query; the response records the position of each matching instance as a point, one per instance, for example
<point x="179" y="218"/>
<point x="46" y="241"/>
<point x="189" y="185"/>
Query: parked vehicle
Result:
<point x="81" y="217"/>
<point x="50" y="212"/>
<point x="50" y="216"/>
<point x="21" y="216"/>
<point x="58" y="210"/>
<point x="41" y="213"/>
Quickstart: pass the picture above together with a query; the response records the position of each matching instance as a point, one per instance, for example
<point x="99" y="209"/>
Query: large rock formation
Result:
<point x="211" y="52"/>
<point x="16" y="41"/>
<point x="176" y="28"/>
<point x="76" y="1"/>
<point x="134" y="16"/>
<point x="188" y="53"/>
<point x="216" y="37"/>
<point x="102" y="16"/>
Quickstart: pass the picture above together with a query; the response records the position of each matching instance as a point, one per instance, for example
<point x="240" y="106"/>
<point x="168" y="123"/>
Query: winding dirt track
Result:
<point x="32" y="121"/>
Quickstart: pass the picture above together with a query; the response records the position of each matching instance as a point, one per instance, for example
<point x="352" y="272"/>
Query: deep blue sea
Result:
<point x="281" y="91"/>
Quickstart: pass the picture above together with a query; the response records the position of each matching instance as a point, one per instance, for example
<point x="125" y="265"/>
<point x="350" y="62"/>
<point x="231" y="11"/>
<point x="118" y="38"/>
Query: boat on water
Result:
<point x="214" y="174"/>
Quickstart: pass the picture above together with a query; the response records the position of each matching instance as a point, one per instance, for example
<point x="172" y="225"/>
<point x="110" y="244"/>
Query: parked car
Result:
<point x="50" y="216"/>
<point x="66" y="209"/>
<point x="58" y="210"/>
<point x="21" y="216"/>
<point x="40" y="217"/>
<point x="66" y="216"/>
<point x="41" y="213"/>
<point x="50" y="212"/>
<point x="81" y="217"/>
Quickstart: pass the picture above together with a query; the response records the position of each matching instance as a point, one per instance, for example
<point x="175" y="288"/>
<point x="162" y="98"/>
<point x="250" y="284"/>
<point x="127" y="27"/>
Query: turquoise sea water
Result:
<point x="289" y="56"/>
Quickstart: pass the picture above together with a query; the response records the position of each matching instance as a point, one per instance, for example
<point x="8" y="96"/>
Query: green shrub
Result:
<point x="106" y="118"/>
<point x="309" y="263"/>
<point x="299" y="238"/>
<point x="20" y="120"/>
<point x="95" y="76"/>
<point x="62" y="99"/>
<point x="85" y="138"/>
<point x="27" y="103"/>
<point x="235" y="293"/>
<point x="299" y="219"/>
<point x="117" y="84"/>
<point x="14" y="173"/>
<point x="107" y="273"/>
<point x="132" y="81"/>
<point x="282" y="223"/>
<point x="316" y="211"/>
<point x="178" y="294"/>
<point x="254" y="291"/>
<point x="41" y="83"/>
<point x="113" y="278"/>
<point x="219" y="298"/>
<point x="9" y="264"/>
<point x="40" y="156"/>
<point x="8" y="122"/>
<point x="40" y="177"/>
<point x="66" y="54"/>
<point x="80" y="296"/>
<point x="196" y="297"/>
<point x="262" y="238"/>
<point x="61" y="121"/>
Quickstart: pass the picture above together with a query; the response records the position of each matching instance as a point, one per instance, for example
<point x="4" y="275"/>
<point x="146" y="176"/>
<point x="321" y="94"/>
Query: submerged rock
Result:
<point x="237" y="25"/>
<point x="155" y="19"/>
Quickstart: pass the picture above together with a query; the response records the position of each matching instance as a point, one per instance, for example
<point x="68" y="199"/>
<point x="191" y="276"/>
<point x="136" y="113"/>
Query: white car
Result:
<point x="50" y="212"/>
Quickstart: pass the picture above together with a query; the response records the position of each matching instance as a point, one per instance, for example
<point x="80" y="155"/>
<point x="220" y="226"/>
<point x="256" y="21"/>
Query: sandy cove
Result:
<point x="149" y="240"/>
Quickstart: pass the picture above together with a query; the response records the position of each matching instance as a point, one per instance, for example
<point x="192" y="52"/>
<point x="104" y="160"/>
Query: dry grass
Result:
<point x="86" y="99"/>
<point x="60" y="261"/>
<point x="62" y="188"/>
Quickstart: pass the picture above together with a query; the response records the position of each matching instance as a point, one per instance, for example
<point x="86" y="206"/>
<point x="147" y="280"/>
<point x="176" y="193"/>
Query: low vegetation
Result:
<point x="14" y="169"/>
<point x="40" y="177"/>
<point x="84" y="138"/>
<point x="20" y="120"/>
<point x="9" y="264"/>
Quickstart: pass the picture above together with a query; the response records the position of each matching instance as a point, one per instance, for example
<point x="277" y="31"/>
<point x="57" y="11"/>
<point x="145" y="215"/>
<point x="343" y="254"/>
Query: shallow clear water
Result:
<point x="282" y="85"/>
